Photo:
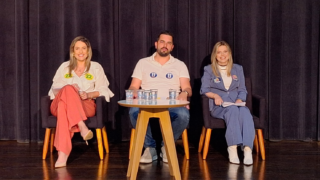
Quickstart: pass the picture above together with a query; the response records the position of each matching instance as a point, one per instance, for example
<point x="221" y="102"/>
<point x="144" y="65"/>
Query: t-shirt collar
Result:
<point x="171" y="60"/>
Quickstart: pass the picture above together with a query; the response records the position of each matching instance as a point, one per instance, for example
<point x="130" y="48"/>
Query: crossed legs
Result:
<point x="71" y="112"/>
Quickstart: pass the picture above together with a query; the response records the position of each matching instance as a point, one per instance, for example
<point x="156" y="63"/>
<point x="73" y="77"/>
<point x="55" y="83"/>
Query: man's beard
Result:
<point x="163" y="54"/>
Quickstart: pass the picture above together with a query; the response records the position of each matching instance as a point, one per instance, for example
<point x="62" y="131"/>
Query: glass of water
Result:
<point x="129" y="94"/>
<point x="140" y="94"/>
<point x="172" y="94"/>
<point x="147" y="95"/>
<point x="154" y="94"/>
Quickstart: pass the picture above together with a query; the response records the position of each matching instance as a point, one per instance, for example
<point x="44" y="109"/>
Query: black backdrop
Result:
<point x="277" y="42"/>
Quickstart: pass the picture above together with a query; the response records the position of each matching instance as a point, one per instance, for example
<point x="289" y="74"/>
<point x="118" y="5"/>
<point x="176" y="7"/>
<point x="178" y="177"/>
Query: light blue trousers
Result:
<point x="239" y="122"/>
<point x="179" y="121"/>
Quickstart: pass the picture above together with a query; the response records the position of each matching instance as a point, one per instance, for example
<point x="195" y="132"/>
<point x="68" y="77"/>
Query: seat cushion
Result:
<point x="91" y="122"/>
<point x="216" y="123"/>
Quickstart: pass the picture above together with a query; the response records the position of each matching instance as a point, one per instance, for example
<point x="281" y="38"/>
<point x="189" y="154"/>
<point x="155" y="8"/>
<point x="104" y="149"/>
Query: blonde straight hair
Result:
<point x="73" y="60"/>
<point x="214" y="61"/>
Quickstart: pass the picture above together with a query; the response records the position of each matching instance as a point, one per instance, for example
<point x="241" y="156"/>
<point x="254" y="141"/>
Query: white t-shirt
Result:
<point x="226" y="79"/>
<point x="93" y="80"/>
<point x="162" y="77"/>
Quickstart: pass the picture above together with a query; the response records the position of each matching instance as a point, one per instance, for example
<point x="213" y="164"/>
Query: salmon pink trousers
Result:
<point x="69" y="109"/>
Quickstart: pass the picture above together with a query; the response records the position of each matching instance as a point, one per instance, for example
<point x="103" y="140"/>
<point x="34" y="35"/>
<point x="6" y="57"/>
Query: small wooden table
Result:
<point x="158" y="109"/>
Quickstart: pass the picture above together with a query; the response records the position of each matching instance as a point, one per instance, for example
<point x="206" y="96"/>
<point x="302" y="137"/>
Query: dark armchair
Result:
<point x="49" y="122"/>
<point x="255" y="103"/>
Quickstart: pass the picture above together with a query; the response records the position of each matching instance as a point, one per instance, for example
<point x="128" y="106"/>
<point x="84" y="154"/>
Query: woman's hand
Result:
<point x="217" y="99"/>
<point x="83" y="95"/>
<point x="238" y="101"/>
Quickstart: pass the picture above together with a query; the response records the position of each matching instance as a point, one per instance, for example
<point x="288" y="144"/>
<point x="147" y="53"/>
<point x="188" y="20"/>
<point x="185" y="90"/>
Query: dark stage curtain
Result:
<point x="276" y="41"/>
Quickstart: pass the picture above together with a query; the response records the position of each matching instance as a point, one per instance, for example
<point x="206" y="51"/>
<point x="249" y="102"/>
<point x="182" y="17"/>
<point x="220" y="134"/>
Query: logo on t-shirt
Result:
<point x="153" y="75"/>
<point x="89" y="76"/>
<point x="67" y="76"/>
<point x="169" y="75"/>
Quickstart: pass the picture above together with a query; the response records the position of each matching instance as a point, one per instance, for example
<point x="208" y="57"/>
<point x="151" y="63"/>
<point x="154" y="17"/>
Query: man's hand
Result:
<point x="135" y="94"/>
<point x="182" y="96"/>
<point x="135" y="85"/>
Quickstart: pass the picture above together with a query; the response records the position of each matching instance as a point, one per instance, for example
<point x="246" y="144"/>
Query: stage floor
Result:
<point x="284" y="160"/>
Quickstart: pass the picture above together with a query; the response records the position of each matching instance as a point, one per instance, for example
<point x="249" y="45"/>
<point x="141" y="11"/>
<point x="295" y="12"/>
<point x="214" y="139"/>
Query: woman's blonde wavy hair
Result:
<point x="73" y="60"/>
<point x="214" y="62"/>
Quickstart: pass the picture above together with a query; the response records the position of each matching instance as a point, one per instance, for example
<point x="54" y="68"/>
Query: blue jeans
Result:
<point x="179" y="121"/>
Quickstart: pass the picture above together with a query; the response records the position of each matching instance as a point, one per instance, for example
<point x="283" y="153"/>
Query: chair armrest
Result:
<point x="45" y="110"/>
<point x="259" y="108"/>
<point x="100" y="108"/>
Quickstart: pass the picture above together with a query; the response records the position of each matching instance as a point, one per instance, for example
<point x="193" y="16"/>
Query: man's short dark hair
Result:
<point x="166" y="32"/>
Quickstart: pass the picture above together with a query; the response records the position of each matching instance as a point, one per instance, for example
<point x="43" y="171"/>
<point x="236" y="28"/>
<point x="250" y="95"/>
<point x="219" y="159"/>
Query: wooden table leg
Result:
<point x="169" y="143"/>
<point x="168" y="139"/>
<point x="141" y="129"/>
<point x="131" y="141"/>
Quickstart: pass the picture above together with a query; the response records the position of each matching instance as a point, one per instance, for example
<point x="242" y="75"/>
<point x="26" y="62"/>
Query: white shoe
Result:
<point x="149" y="155"/>
<point x="233" y="155"/>
<point x="163" y="154"/>
<point x="247" y="156"/>
<point x="62" y="160"/>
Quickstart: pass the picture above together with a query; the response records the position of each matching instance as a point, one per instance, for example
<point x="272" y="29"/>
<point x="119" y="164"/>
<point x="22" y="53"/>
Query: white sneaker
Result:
<point x="247" y="156"/>
<point x="233" y="155"/>
<point x="149" y="155"/>
<point x="163" y="154"/>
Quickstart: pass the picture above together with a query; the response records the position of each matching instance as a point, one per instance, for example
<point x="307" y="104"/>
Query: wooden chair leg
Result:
<point x="255" y="143"/>
<point x="53" y="133"/>
<point x="105" y="139"/>
<point x="206" y="144"/>
<point x="100" y="146"/>
<point x="261" y="144"/>
<point x="131" y="141"/>
<point x="185" y="143"/>
<point x="203" y="132"/>
<point x="46" y="143"/>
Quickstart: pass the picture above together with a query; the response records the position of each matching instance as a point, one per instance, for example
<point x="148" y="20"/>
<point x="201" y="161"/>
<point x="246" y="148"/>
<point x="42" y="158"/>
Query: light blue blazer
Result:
<point x="212" y="83"/>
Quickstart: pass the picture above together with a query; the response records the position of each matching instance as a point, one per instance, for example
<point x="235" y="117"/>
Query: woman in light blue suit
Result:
<point x="223" y="82"/>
